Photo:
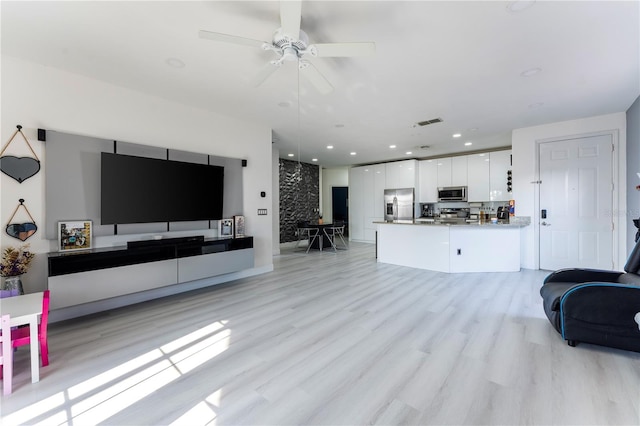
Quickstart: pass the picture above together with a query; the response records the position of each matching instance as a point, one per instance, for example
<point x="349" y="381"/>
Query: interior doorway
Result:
<point x="340" y="206"/>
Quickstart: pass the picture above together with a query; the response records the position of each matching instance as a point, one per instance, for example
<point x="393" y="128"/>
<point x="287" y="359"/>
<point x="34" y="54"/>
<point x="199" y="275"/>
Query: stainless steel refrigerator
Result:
<point x="399" y="204"/>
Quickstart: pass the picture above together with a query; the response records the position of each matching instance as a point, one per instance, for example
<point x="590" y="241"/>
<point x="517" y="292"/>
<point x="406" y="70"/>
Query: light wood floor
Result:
<point x="331" y="339"/>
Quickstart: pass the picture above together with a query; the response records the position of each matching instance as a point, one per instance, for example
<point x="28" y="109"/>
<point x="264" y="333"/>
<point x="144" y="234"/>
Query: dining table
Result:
<point x="25" y="310"/>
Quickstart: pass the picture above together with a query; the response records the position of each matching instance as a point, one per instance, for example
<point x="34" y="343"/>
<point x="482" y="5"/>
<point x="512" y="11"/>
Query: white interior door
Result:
<point x="576" y="203"/>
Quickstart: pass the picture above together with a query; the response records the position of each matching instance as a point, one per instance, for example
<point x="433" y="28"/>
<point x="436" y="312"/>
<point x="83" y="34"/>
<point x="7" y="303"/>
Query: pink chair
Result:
<point x="20" y="336"/>
<point x="6" y="356"/>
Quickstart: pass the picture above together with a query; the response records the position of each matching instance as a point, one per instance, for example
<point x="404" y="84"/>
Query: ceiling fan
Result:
<point x="290" y="43"/>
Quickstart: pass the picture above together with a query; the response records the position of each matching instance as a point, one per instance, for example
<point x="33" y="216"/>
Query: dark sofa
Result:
<point x="596" y="306"/>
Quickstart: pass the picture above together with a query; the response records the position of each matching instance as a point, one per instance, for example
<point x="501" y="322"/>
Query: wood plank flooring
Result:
<point x="329" y="339"/>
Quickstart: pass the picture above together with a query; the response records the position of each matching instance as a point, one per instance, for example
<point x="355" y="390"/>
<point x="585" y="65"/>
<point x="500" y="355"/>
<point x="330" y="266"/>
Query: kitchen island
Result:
<point x="450" y="248"/>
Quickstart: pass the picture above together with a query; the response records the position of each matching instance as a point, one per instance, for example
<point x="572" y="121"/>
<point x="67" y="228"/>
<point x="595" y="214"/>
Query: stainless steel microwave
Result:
<point x="452" y="193"/>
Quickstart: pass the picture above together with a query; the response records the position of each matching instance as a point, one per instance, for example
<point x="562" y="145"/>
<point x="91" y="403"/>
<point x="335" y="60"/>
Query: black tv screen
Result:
<point x="140" y="190"/>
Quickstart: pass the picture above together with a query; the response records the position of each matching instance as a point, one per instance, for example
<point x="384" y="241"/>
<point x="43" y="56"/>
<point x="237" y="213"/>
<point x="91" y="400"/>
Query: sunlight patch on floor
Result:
<point x="202" y="413"/>
<point x="112" y="374"/>
<point x="163" y="366"/>
<point x="34" y="410"/>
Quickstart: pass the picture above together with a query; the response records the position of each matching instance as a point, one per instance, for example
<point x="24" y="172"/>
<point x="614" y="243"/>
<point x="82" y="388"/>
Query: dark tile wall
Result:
<point x="299" y="196"/>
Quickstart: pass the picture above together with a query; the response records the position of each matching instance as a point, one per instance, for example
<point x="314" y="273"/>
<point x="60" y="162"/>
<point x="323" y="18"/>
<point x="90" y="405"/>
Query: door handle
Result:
<point x="545" y="224"/>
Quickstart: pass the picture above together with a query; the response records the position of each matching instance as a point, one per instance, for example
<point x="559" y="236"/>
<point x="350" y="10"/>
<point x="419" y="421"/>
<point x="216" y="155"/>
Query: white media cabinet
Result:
<point x="77" y="278"/>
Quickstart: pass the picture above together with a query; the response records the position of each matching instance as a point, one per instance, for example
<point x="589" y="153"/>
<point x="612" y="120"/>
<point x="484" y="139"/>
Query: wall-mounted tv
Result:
<point x="141" y="190"/>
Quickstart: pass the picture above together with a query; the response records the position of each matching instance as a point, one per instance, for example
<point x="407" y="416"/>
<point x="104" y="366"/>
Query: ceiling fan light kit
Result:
<point x="291" y="43"/>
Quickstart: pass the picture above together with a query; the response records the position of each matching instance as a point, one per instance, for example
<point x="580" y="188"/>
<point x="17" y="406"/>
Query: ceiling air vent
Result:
<point x="427" y="122"/>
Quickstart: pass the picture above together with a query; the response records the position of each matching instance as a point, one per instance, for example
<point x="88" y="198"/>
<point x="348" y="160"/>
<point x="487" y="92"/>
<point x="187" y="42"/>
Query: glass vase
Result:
<point x="12" y="286"/>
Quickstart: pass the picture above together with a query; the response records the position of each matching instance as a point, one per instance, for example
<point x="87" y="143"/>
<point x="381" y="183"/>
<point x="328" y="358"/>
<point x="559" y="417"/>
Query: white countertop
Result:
<point x="467" y="225"/>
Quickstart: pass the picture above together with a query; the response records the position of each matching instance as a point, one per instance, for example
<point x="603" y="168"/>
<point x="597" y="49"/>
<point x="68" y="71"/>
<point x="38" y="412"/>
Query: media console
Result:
<point x="76" y="278"/>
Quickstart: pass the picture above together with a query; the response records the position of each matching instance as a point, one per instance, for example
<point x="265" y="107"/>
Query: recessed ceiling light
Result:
<point x="352" y="153"/>
<point x="175" y="63"/>
<point x="339" y="126"/>
<point x="519" y="5"/>
<point x="314" y="159"/>
<point x="329" y="146"/>
<point x="530" y="72"/>
<point x="408" y="152"/>
<point x="536" y="105"/>
<point x="456" y="135"/>
<point x="468" y="143"/>
<point x="284" y="104"/>
<point x="392" y="146"/>
<point x="473" y="129"/>
<point x="290" y="155"/>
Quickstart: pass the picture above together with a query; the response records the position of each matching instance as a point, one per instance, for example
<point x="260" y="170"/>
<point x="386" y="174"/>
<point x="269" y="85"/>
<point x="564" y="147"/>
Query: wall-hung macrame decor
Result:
<point x="19" y="168"/>
<point x="24" y="230"/>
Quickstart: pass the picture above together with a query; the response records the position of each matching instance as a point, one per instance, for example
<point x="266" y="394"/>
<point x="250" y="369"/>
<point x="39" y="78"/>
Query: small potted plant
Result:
<point x="15" y="262"/>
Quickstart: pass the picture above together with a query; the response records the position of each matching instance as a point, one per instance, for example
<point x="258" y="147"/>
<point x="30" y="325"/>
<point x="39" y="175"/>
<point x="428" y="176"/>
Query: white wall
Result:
<point x="275" y="209"/>
<point x="338" y="176"/>
<point x="633" y="168"/>
<point x="525" y="165"/>
<point x="36" y="96"/>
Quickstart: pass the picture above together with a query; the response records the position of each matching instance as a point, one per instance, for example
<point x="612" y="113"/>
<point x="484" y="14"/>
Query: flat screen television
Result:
<point x="141" y="190"/>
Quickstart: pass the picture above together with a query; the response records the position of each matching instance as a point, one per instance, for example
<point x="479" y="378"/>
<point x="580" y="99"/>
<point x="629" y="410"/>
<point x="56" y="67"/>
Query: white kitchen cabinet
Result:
<point x="356" y="203"/>
<point x="478" y="188"/>
<point x="444" y="171"/>
<point x="459" y="170"/>
<point x="428" y="175"/>
<point x="366" y="201"/>
<point x="401" y="174"/>
<point x="374" y="183"/>
<point x="499" y="165"/>
<point x="451" y="249"/>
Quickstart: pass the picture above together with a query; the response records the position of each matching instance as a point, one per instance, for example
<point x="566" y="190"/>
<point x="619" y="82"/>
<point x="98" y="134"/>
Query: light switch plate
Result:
<point x="262" y="212"/>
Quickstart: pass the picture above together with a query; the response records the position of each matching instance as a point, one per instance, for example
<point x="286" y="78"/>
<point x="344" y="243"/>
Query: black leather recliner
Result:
<point x="596" y="306"/>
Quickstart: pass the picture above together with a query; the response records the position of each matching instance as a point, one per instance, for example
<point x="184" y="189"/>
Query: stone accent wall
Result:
<point x="299" y="196"/>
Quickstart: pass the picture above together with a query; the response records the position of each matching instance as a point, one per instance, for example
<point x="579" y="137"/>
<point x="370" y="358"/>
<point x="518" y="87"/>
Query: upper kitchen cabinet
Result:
<point x="452" y="171"/>
<point x="500" y="165"/>
<point x="444" y="171"/>
<point x="401" y="174"/>
<point x="428" y="172"/>
<point x="478" y="188"/>
<point x="459" y="171"/>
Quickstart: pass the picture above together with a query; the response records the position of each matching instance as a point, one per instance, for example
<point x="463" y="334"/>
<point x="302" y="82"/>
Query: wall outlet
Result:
<point x="262" y="212"/>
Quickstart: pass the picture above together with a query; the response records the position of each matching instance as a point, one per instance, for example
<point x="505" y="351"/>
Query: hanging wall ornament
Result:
<point x="19" y="168"/>
<point x="24" y="230"/>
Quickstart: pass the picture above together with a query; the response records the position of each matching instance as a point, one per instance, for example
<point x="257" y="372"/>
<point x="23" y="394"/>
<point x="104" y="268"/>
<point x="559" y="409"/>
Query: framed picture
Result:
<point x="225" y="228"/>
<point x="238" y="226"/>
<point x="74" y="235"/>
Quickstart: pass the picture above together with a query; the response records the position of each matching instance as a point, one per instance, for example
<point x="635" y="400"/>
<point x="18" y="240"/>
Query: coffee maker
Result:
<point x="503" y="214"/>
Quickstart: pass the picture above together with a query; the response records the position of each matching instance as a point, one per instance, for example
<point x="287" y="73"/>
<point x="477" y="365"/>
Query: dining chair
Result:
<point x="6" y="356"/>
<point x="334" y="232"/>
<point x="308" y="233"/>
<point x="21" y="336"/>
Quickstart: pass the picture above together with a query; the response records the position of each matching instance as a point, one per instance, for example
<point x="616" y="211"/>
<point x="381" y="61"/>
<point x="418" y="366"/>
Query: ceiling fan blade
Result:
<point x="290" y="15"/>
<point x="263" y="74"/>
<point x="344" y="49"/>
<point x="226" y="38"/>
<point x="314" y="76"/>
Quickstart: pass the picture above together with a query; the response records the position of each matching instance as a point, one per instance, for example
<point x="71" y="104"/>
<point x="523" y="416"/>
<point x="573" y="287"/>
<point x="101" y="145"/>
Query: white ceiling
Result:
<point x="456" y="60"/>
